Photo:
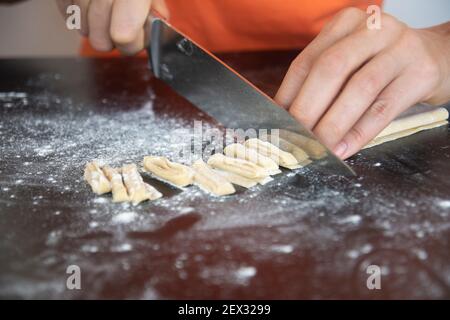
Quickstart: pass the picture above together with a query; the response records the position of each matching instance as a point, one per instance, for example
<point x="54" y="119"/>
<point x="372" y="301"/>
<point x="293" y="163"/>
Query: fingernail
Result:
<point x="340" y="149"/>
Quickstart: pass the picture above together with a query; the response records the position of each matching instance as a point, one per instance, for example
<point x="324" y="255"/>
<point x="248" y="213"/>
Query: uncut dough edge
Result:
<point x="403" y="134"/>
<point x="415" y="121"/>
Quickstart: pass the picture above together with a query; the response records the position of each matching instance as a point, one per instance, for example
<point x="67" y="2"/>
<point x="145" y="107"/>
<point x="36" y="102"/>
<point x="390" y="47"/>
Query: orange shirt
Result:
<point x="245" y="25"/>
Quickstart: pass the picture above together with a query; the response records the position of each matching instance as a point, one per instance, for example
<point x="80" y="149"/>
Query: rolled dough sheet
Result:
<point x="404" y="133"/>
<point x="414" y="121"/>
<point x="410" y="123"/>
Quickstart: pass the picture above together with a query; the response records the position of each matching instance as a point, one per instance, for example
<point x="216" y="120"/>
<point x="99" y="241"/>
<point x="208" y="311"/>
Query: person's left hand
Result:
<point x="351" y="82"/>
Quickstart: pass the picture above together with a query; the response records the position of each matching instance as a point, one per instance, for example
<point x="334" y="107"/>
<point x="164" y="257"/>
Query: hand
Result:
<point x="113" y="24"/>
<point x="351" y="82"/>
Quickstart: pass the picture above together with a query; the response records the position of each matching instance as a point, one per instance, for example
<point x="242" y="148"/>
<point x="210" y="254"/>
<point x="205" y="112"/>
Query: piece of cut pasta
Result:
<point x="237" y="179"/>
<point x="238" y="166"/>
<point x="175" y="173"/>
<point x="137" y="189"/>
<point x="94" y="175"/>
<point x="119" y="191"/>
<point x="209" y="180"/>
<point x="239" y="151"/>
<point x="284" y="159"/>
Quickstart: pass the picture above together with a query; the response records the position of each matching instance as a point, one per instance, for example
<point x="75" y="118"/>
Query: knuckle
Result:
<point x="357" y="135"/>
<point x="349" y="13"/>
<point x="342" y="18"/>
<point x="334" y="130"/>
<point x="300" y="66"/>
<point x="369" y="84"/>
<point x="391" y="22"/>
<point x="411" y="41"/>
<point x="379" y="110"/>
<point x="332" y="61"/>
<point x="301" y="116"/>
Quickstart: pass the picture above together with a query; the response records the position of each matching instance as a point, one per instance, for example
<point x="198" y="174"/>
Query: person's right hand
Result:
<point x="116" y="24"/>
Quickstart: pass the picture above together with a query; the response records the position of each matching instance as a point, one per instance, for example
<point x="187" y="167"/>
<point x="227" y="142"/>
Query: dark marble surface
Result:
<point x="302" y="236"/>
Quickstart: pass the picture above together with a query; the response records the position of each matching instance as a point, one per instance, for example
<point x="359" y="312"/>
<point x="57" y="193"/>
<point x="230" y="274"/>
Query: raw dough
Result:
<point x="239" y="151"/>
<point x="211" y="181"/>
<point x="119" y="191"/>
<point x="415" y="121"/>
<point x="238" y="166"/>
<point x="137" y="189"/>
<point x="284" y="159"/>
<point x="313" y="148"/>
<point x="176" y="173"/>
<point x="394" y="136"/>
<point x="411" y="124"/>
<point x="94" y="175"/>
<point x="236" y="179"/>
<point x="299" y="154"/>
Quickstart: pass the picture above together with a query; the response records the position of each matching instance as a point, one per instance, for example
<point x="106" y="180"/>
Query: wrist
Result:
<point x="439" y="48"/>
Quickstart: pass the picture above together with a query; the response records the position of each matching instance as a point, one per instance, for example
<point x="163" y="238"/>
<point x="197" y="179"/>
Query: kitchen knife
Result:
<point x="222" y="93"/>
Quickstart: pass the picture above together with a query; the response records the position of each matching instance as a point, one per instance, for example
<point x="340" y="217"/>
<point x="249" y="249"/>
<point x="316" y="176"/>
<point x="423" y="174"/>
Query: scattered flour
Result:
<point x="282" y="248"/>
<point x="444" y="204"/>
<point x="125" y="217"/>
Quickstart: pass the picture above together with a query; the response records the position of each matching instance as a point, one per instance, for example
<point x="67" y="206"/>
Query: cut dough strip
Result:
<point x="239" y="151"/>
<point x="94" y="175"/>
<point x="211" y="181"/>
<point x="238" y="166"/>
<point x="119" y="191"/>
<point x="175" y="173"/>
<point x="284" y="159"/>
<point x="242" y="181"/>
<point x="236" y="179"/>
<point x="137" y="189"/>
<point x="313" y="148"/>
<point x="286" y="146"/>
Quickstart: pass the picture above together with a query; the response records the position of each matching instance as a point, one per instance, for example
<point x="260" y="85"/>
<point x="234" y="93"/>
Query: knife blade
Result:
<point x="221" y="92"/>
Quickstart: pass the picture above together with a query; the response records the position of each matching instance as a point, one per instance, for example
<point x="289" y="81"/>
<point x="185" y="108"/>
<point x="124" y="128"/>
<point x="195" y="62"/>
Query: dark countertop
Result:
<point x="301" y="236"/>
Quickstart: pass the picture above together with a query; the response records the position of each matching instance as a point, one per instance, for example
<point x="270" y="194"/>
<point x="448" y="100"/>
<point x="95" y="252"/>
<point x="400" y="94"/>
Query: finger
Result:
<point x="396" y="98"/>
<point x="133" y="47"/>
<point x="161" y="7"/>
<point x="331" y="71"/>
<point x="84" y="8"/>
<point x="128" y="20"/>
<point x="99" y="18"/>
<point x="358" y="95"/>
<point x="341" y="25"/>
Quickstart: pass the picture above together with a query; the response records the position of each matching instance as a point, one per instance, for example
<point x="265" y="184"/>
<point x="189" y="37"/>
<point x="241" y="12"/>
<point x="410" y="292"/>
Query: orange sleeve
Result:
<point x="246" y="25"/>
